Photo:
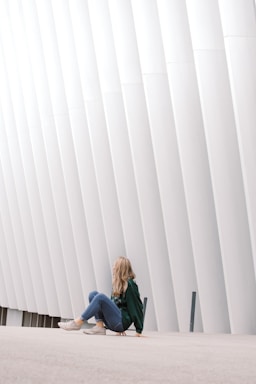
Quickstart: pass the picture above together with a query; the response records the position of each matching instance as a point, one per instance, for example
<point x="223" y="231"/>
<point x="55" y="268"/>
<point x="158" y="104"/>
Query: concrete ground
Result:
<point x="43" y="355"/>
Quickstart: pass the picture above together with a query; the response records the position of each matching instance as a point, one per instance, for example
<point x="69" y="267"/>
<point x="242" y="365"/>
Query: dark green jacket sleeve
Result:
<point x="134" y="305"/>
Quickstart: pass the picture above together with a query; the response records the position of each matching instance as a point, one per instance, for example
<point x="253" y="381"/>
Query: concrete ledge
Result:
<point x="43" y="355"/>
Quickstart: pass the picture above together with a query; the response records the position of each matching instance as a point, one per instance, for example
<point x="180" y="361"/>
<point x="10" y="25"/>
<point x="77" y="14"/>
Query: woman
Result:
<point x="119" y="312"/>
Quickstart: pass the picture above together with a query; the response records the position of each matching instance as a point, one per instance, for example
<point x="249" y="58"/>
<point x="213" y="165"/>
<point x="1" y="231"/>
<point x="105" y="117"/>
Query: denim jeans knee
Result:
<point x="92" y="295"/>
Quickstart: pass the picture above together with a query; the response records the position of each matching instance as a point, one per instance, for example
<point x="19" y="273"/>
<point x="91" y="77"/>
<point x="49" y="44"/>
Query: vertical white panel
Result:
<point x="108" y="82"/>
<point x="214" y="87"/>
<point x="36" y="107"/>
<point x="105" y="179"/>
<point x="99" y="278"/>
<point x="66" y="132"/>
<point x="238" y="18"/>
<point x="30" y="116"/>
<point x="124" y="36"/>
<point x="195" y="166"/>
<point x="80" y="131"/>
<point x="129" y="71"/>
<point x="56" y="128"/>
<point x="13" y="171"/>
<point x="9" y="287"/>
<point x="6" y="299"/>
<point x="148" y="36"/>
<point x="128" y="199"/>
<point x="166" y="156"/>
<point x="205" y="25"/>
<point x="172" y="197"/>
<point x="144" y="163"/>
<point x="12" y="291"/>
<point x="105" y="216"/>
<point x="239" y="28"/>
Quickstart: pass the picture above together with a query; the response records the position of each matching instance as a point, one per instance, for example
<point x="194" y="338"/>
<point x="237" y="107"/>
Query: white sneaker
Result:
<point x="69" y="325"/>
<point x="96" y="330"/>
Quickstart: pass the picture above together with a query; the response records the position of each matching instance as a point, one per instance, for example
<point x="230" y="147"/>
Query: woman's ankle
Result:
<point x="79" y="321"/>
<point x="100" y="324"/>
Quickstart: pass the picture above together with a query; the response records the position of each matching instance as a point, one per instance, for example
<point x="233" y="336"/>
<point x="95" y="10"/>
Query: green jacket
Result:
<point x="131" y="306"/>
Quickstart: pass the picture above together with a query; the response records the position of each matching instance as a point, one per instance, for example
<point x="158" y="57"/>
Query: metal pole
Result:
<point x="144" y="306"/>
<point x="192" y="315"/>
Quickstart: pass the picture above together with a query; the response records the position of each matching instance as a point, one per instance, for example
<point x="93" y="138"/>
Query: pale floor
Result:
<point x="37" y="355"/>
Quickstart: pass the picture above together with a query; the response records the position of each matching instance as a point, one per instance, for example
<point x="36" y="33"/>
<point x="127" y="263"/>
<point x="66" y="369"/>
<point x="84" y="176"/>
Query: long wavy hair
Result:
<point x="122" y="272"/>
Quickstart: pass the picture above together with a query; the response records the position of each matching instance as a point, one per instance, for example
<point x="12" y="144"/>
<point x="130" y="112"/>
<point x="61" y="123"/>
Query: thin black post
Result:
<point x="192" y="315"/>
<point x="144" y="306"/>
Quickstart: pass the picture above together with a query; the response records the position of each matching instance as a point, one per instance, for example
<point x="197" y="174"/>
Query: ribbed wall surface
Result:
<point x="128" y="127"/>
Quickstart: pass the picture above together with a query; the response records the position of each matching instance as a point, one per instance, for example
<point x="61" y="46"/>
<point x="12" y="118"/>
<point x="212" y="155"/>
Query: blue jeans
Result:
<point x="104" y="310"/>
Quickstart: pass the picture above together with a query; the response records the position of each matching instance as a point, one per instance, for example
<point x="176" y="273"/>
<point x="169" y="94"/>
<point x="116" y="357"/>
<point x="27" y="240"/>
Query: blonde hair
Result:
<point x="122" y="272"/>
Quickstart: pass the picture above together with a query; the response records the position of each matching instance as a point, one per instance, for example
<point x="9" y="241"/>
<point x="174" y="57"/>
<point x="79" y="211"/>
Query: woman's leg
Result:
<point x="79" y="321"/>
<point x="75" y="325"/>
<point x="104" y="310"/>
<point x="98" y="316"/>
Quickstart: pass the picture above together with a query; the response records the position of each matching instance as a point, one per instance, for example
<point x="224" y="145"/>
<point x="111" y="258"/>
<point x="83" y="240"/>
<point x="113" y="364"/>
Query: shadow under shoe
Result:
<point x="96" y="330"/>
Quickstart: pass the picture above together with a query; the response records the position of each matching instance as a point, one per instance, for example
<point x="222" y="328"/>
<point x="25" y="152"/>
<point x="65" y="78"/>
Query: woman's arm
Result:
<point x="135" y="306"/>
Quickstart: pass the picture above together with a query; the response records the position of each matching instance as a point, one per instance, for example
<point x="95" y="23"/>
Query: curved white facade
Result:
<point x="128" y="127"/>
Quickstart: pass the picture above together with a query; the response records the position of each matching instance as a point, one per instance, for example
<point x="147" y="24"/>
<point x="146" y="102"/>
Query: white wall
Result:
<point x="127" y="127"/>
